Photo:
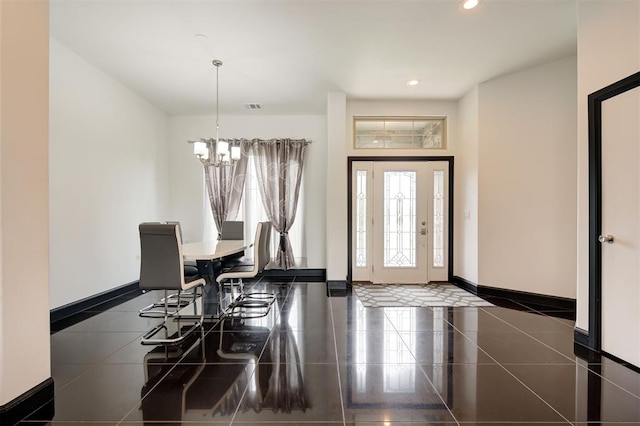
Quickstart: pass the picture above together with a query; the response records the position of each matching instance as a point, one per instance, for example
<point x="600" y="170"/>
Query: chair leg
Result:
<point x="148" y="337"/>
<point x="153" y="310"/>
<point x="249" y="305"/>
<point x="178" y="300"/>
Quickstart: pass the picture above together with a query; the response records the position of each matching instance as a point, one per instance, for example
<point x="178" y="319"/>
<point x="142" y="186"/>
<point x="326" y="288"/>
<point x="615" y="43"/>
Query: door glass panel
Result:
<point x="438" y="218"/>
<point x="399" y="219"/>
<point x="361" y="214"/>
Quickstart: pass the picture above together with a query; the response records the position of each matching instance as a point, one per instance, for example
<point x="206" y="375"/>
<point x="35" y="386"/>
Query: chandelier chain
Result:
<point x="217" y="63"/>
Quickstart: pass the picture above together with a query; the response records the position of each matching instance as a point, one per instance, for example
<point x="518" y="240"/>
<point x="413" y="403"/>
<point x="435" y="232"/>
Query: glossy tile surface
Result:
<point x="315" y="359"/>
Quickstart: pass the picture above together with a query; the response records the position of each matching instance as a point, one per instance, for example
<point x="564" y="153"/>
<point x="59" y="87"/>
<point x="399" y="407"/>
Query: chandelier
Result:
<point x="216" y="152"/>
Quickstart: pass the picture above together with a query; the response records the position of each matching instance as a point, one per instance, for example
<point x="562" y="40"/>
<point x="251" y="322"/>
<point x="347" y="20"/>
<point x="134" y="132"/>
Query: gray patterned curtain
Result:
<point x="225" y="185"/>
<point x="279" y="165"/>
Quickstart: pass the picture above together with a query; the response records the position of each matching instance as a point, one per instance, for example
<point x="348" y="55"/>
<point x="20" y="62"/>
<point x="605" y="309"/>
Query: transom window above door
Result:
<point x="400" y="132"/>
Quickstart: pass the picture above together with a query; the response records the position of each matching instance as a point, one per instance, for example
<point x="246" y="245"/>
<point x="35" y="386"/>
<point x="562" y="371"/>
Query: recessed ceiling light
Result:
<point x="469" y="4"/>
<point x="413" y="82"/>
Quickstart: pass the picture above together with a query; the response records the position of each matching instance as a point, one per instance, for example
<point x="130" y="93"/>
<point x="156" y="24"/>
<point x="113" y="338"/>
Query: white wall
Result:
<point x="336" y="179"/>
<point x="24" y="206"/>
<point x="186" y="174"/>
<point x="107" y="149"/>
<point x="527" y="180"/>
<point x="608" y="50"/>
<point x="466" y="190"/>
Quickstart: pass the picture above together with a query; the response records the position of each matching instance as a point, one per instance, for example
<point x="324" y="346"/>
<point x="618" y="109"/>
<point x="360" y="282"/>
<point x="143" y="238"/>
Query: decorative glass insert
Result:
<point x="361" y="221"/>
<point x="399" y="219"/>
<point x="438" y="219"/>
<point x="400" y="132"/>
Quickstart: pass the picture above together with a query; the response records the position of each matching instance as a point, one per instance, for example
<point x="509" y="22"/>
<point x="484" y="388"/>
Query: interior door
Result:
<point x="620" y="226"/>
<point x="400" y="221"/>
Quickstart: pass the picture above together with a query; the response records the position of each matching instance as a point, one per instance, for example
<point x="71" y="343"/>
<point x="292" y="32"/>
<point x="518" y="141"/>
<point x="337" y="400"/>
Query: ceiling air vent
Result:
<point x="253" y="106"/>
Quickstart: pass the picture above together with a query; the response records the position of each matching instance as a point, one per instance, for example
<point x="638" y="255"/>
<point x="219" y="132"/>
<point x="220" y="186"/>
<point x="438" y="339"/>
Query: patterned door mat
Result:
<point x="415" y="295"/>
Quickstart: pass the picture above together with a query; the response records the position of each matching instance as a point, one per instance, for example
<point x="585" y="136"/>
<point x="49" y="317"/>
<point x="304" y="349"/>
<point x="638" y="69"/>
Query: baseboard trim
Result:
<point x="621" y="362"/>
<point x="336" y="284"/>
<point x="518" y="296"/>
<point x="39" y="398"/>
<point x="338" y="288"/>
<point x="465" y="284"/>
<point x="311" y="274"/>
<point x="87" y="303"/>
<point x="581" y="337"/>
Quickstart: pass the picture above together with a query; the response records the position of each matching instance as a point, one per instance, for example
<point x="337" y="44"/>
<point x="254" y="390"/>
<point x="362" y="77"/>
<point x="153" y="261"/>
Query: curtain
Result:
<point x="225" y="184"/>
<point x="279" y="164"/>
<point x="252" y="211"/>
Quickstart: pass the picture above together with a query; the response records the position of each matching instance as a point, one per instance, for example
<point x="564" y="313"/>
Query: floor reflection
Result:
<point x="321" y="357"/>
<point x="383" y="371"/>
<point x="238" y="366"/>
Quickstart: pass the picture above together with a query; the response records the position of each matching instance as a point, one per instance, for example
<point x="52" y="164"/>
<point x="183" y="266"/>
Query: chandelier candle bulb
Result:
<point x="235" y="153"/>
<point x="223" y="148"/>
<point x="200" y="149"/>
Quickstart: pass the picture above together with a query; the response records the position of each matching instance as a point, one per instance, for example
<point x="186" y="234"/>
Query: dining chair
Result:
<point x="232" y="230"/>
<point x="190" y="266"/>
<point x="161" y="268"/>
<point x="190" y="271"/>
<point x="236" y="274"/>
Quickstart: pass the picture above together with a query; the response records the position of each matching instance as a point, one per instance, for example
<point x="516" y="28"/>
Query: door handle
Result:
<point x="423" y="231"/>
<point x="606" y="239"/>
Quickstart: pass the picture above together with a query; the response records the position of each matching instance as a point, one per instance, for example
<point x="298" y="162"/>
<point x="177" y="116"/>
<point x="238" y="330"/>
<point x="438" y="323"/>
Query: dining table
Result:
<point x="208" y="255"/>
<point x="214" y="249"/>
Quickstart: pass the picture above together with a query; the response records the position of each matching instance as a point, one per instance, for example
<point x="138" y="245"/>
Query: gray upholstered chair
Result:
<point x="190" y="266"/>
<point x="161" y="268"/>
<point x="232" y="230"/>
<point x="235" y="275"/>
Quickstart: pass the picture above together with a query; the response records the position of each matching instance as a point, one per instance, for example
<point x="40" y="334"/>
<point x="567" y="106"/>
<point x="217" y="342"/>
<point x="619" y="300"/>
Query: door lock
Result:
<point x="606" y="239"/>
<point x="423" y="231"/>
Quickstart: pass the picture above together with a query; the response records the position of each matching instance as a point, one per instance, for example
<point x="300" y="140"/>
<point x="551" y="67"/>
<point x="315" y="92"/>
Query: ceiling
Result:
<point x="287" y="55"/>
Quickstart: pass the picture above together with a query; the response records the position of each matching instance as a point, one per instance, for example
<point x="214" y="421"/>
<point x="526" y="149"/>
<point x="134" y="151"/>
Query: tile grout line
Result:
<point x="511" y="374"/>
<point x="540" y="312"/>
<point x="159" y="381"/>
<point x="335" y="348"/>
<point x="420" y="367"/>
<point x="529" y="335"/>
<point x="256" y="366"/>
<point x="200" y="339"/>
<point x="560" y="353"/>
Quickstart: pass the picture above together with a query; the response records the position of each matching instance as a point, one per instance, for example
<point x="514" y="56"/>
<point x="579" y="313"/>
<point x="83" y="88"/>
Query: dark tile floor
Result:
<point x="329" y="360"/>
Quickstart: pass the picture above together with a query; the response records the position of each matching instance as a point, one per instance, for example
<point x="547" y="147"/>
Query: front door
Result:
<point x="400" y="221"/>
<point x="620" y="225"/>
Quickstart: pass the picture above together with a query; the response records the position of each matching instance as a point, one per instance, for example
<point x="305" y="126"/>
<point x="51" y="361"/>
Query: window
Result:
<point x="400" y="132"/>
